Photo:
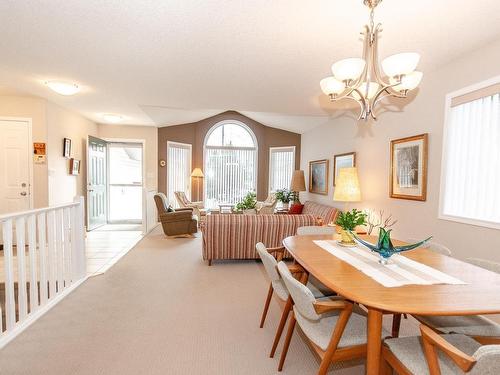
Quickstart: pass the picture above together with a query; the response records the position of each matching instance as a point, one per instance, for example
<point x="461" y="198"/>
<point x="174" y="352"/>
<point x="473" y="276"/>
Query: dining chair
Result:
<point x="479" y="327"/>
<point x="433" y="246"/>
<point x="436" y="354"/>
<point x="335" y="332"/>
<point x="315" y="230"/>
<point x="277" y="286"/>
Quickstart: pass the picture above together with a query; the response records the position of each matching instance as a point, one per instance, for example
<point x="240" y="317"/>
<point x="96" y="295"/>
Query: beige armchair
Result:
<point x="267" y="207"/>
<point x="178" y="222"/>
<point x="198" y="207"/>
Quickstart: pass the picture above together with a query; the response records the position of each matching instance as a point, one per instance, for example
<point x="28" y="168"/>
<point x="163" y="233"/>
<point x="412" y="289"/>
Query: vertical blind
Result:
<point x="178" y="170"/>
<point x="281" y="167"/>
<point x="230" y="173"/>
<point x="472" y="161"/>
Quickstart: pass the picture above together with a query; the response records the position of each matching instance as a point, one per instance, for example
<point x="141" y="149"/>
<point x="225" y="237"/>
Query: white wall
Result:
<point x="424" y="114"/>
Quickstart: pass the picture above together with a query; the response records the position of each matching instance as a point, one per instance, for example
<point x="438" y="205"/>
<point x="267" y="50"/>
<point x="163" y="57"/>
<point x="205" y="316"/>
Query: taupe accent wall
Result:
<point x="194" y="134"/>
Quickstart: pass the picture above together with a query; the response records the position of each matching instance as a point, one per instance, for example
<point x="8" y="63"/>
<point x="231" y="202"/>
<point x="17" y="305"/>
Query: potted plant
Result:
<point x="247" y="205"/>
<point x="285" y="196"/>
<point x="348" y="221"/>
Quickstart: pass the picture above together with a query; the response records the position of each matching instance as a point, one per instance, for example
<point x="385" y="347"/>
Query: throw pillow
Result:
<point x="296" y="208"/>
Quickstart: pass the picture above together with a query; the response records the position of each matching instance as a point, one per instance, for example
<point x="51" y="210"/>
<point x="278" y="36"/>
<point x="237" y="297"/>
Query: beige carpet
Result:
<point x="161" y="310"/>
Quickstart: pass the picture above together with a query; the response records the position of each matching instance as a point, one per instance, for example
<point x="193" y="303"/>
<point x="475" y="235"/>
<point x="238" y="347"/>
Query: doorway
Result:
<point x="16" y="165"/>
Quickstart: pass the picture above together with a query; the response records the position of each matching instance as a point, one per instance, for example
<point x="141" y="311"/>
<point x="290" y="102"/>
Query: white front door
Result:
<point x="15" y="154"/>
<point x="96" y="183"/>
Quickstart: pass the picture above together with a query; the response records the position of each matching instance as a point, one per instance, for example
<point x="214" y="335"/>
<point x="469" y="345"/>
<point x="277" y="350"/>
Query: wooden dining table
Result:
<point x="480" y="294"/>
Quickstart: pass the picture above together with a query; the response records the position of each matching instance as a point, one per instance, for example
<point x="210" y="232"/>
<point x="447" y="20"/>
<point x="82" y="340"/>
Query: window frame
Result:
<point x="444" y="159"/>
<point x="270" y="162"/>
<point x="255" y="148"/>
<point x="188" y="146"/>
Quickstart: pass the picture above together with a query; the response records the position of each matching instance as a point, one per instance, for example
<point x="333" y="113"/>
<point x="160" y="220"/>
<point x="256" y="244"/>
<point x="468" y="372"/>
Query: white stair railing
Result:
<point x="43" y="260"/>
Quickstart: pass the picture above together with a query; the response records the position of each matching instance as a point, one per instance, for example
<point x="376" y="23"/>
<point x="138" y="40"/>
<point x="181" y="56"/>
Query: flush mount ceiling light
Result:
<point x="359" y="79"/>
<point x="63" y="88"/>
<point x="114" y="119"/>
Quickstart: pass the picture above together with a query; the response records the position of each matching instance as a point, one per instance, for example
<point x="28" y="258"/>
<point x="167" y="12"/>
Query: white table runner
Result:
<point x="401" y="271"/>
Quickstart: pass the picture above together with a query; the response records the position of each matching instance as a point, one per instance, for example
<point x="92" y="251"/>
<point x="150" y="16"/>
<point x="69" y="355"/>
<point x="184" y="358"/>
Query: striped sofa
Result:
<point x="233" y="236"/>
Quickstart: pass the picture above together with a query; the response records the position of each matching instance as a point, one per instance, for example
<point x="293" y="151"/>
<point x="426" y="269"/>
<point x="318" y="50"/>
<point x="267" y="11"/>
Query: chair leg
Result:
<point x="385" y="368"/>
<point x="288" y="338"/>
<point x="396" y="324"/>
<point x="266" y="306"/>
<point x="281" y="326"/>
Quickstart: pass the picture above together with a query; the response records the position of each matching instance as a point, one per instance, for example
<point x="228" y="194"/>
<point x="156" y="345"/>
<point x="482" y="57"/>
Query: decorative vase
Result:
<point x="285" y="205"/>
<point x="250" y="211"/>
<point x="384" y="247"/>
<point x="346" y="238"/>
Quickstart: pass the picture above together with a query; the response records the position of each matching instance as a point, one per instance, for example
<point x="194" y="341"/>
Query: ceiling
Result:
<point x="164" y="62"/>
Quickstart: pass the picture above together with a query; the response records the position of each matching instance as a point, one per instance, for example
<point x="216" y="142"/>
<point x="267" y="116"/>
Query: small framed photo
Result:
<point x="74" y="167"/>
<point x="318" y="176"/>
<point x="409" y="168"/>
<point x="347" y="160"/>
<point x="67" y="148"/>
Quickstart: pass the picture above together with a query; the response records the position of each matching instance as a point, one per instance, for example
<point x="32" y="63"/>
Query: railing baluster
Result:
<point x="59" y="251"/>
<point x="10" y="302"/>
<point x="33" y="263"/>
<point x="42" y="250"/>
<point x="67" y="247"/>
<point x="22" y="297"/>
<point x="51" y="218"/>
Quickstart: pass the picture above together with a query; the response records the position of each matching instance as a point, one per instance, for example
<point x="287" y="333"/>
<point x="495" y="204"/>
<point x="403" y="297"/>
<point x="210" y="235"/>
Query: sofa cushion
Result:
<point x="327" y="213"/>
<point x="296" y="208"/>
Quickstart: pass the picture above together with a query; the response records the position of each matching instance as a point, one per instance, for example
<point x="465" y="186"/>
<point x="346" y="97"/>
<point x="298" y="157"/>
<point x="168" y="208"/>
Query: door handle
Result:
<point x="23" y="193"/>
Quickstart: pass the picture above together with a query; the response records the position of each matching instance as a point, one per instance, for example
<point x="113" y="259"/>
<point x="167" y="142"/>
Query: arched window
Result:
<point x="230" y="163"/>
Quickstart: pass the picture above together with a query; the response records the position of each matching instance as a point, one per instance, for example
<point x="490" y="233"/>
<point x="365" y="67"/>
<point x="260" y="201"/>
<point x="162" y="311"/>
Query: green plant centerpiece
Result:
<point x="285" y="196"/>
<point x="348" y="221"/>
<point x="249" y="202"/>
<point x="384" y="247"/>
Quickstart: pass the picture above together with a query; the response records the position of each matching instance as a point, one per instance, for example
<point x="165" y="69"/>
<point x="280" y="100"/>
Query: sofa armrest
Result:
<point x="184" y="209"/>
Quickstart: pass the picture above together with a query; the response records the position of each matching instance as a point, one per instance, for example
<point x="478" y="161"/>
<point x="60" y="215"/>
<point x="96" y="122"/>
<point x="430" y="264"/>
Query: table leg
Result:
<point x="374" y="341"/>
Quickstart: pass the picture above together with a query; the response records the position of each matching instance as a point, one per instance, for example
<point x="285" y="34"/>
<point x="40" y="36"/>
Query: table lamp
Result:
<point x="197" y="173"/>
<point x="298" y="183"/>
<point x="347" y="186"/>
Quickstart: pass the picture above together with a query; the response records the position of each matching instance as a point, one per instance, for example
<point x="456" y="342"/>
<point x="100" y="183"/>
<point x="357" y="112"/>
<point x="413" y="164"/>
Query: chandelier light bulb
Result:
<point x="348" y="69"/>
<point x="331" y="86"/>
<point x="408" y="82"/>
<point x="400" y="63"/>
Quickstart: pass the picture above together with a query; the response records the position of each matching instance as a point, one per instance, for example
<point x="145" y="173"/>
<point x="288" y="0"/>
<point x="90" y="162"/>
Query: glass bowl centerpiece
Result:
<point x="384" y="247"/>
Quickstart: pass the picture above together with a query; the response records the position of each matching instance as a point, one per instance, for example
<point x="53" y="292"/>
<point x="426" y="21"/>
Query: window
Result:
<point x="230" y="163"/>
<point x="470" y="178"/>
<point x="281" y="167"/>
<point x="178" y="170"/>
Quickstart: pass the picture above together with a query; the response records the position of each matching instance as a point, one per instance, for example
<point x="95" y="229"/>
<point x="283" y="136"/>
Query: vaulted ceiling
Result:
<point x="163" y="62"/>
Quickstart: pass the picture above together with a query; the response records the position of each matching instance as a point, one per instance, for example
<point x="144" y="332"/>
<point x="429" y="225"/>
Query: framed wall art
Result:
<point x="67" y="148"/>
<point x="408" y="178"/>
<point x="318" y="176"/>
<point x="347" y="160"/>
<point x="74" y="167"/>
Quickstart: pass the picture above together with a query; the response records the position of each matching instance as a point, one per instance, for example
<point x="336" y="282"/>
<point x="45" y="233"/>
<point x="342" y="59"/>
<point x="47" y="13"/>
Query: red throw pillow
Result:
<point x="296" y="208"/>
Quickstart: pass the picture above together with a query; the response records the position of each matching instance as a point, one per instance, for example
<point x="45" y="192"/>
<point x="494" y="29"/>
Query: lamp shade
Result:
<point x="331" y="86"/>
<point x="400" y="63"/>
<point x="298" y="181"/>
<point x="347" y="186"/>
<point x="408" y="82"/>
<point x="372" y="90"/>
<point x="197" y="173"/>
<point x="348" y="68"/>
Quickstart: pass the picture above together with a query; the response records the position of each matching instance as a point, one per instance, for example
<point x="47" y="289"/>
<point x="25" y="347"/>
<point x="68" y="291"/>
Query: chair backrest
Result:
<point x="161" y="203"/>
<point x="301" y="295"/>
<point x="268" y="261"/>
<point x="181" y="198"/>
<point x="433" y="246"/>
<point x="486" y="264"/>
<point x="315" y="230"/>
<point x="488" y="360"/>
<point x="271" y="198"/>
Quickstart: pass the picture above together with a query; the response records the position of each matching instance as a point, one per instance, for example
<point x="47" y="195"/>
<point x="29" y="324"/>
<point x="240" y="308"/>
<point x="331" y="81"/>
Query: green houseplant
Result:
<point x="248" y="204"/>
<point x="285" y="196"/>
<point x="348" y="221"/>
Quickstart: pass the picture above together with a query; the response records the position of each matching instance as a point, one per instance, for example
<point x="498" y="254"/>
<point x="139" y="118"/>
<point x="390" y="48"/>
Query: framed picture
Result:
<point x="409" y="168"/>
<point x="318" y="176"/>
<point x="67" y="148"/>
<point x="74" y="167"/>
<point x="347" y="160"/>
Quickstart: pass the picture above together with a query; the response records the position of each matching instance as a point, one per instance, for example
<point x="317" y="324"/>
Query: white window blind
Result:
<point x="230" y="163"/>
<point x="178" y="170"/>
<point x="281" y="167"/>
<point x="471" y="162"/>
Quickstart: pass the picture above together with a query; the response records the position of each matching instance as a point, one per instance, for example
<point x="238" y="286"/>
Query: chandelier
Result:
<point x="359" y="79"/>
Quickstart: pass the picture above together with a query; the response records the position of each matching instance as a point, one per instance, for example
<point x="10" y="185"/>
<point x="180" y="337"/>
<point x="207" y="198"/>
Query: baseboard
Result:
<point x="33" y="317"/>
